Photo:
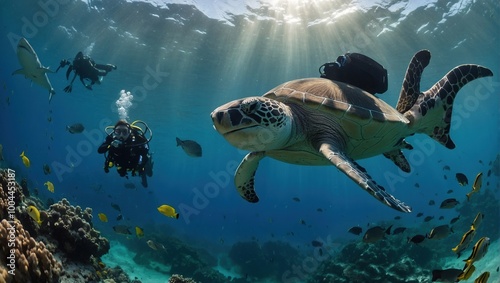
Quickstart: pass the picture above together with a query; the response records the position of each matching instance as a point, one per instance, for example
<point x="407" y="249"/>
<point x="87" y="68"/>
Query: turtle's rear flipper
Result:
<point x="399" y="159"/>
<point x="358" y="174"/>
<point x="245" y="174"/>
<point x="397" y="156"/>
<point x="432" y="112"/>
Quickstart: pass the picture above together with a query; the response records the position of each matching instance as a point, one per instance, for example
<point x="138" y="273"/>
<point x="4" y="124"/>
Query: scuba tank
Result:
<point x="358" y="70"/>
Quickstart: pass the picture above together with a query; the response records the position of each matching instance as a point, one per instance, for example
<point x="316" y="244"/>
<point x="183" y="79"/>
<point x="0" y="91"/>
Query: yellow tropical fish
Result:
<point x="483" y="278"/>
<point x="34" y="213"/>
<point x="477" y="221"/>
<point x="26" y="160"/>
<point x="139" y="232"/>
<point x="466" y="273"/>
<point x="102" y="217"/>
<point x="50" y="186"/>
<point x="465" y="242"/>
<point x="478" y="251"/>
<point x="478" y="182"/>
<point x="169" y="211"/>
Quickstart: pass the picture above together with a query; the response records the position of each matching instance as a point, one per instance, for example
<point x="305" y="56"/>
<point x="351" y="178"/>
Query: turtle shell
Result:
<point x="335" y="98"/>
<point x="369" y="125"/>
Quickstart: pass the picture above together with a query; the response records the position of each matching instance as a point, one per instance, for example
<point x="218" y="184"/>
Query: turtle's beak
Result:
<point x="222" y="120"/>
<point x="217" y="117"/>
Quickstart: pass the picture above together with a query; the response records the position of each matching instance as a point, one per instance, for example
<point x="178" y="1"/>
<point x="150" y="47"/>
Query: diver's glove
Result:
<point x="116" y="143"/>
<point x="62" y="64"/>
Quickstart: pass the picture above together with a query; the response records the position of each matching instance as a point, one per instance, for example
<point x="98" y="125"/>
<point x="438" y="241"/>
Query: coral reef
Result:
<point x="182" y="259"/>
<point x="175" y="278"/>
<point x="47" y="252"/>
<point x="271" y="259"/>
<point x="9" y="192"/>
<point x="72" y="228"/>
<point x="389" y="260"/>
<point x="27" y="259"/>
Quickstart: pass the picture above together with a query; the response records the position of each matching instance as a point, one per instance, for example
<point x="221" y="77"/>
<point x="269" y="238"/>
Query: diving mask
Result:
<point x="121" y="133"/>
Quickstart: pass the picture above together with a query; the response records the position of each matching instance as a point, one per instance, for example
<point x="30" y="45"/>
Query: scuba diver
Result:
<point x="85" y="67"/>
<point x="358" y="70"/>
<point x="127" y="148"/>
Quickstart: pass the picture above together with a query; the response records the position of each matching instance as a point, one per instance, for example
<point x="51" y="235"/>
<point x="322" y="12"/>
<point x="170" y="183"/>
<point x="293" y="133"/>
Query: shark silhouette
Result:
<point x="31" y="66"/>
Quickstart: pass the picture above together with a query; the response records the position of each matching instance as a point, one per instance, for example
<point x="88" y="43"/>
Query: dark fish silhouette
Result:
<point x="190" y="147"/>
<point x="116" y="206"/>
<point x="46" y="169"/>
<point x="428" y="218"/>
<point x="315" y="243"/>
<point x="454" y="219"/>
<point x="75" y="128"/>
<point x="449" y="203"/>
<point x="375" y="234"/>
<point x="122" y="229"/>
<point x="447" y="275"/>
<point x="398" y="230"/>
<point x="356" y="230"/>
<point x="417" y="239"/>
<point x="462" y="179"/>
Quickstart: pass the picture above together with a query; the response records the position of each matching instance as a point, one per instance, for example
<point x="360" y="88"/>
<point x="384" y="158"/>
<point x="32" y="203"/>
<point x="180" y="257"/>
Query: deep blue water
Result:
<point x="202" y="63"/>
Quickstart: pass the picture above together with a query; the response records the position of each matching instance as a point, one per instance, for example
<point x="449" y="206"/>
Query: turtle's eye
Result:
<point x="250" y="107"/>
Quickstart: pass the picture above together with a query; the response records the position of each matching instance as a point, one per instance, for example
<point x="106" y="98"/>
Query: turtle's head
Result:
<point x="254" y="123"/>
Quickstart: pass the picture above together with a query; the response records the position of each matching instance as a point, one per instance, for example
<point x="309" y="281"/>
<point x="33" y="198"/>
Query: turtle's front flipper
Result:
<point x="358" y="174"/>
<point x="244" y="176"/>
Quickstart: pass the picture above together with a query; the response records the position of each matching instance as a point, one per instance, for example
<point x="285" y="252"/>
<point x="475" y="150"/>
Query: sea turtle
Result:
<point x="316" y="121"/>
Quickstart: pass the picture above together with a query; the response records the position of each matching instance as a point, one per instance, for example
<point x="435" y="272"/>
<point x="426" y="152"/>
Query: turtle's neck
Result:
<point x="314" y="128"/>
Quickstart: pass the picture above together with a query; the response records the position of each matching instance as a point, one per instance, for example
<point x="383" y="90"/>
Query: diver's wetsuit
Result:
<point x="86" y="68"/>
<point x="132" y="155"/>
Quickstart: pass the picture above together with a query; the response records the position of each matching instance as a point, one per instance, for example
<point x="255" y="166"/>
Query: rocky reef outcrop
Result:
<point x="72" y="228"/>
<point x="182" y="259"/>
<point x="390" y="260"/>
<point x="175" y="278"/>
